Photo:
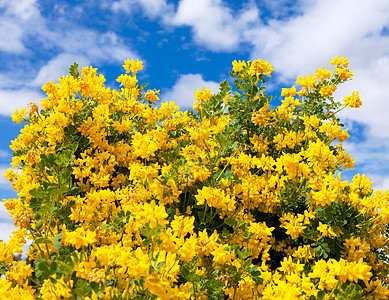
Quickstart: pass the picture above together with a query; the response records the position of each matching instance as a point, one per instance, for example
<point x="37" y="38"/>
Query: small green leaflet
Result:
<point x="73" y="70"/>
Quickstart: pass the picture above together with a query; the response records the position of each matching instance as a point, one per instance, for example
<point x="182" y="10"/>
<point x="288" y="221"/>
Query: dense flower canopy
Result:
<point x="239" y="199"/>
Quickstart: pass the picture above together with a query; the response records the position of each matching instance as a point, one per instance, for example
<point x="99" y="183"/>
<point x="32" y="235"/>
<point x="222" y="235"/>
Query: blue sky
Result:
<point x="190" y="43"/>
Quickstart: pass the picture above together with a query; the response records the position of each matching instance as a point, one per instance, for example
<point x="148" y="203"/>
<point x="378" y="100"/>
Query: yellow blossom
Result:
<point x="353" y="100"/>
<point x="325" y="230"/>
<point x="132" y="66"/>
<point x="237" y="66"/>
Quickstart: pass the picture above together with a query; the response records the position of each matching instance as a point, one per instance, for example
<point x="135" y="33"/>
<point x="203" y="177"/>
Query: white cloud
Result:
<point x="6" y="230"/>
<point x="11" y="99"/>
<point x="152" y="8"/>
<point x="371" y="82"/>
<point x="15" y="21"/>
<point x="84" y="47"/>
<point x="11" y="37"/>
<point x="57" y="67"/>
<point x="23" y="9"/>
<point x="73" y="42"/>
<point x="4" y="214"/>
<point x="5" y="153"/>
<point x="182" y="92"/>
<point x="326" y="29"/>
<point x="380" y="182"/>
<point x="214" y="25"/>
<point x="97" y="47"/>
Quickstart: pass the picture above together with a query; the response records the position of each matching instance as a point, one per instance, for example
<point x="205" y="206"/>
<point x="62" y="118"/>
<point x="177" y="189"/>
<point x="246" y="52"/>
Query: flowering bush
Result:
<point x="237" y="200"/>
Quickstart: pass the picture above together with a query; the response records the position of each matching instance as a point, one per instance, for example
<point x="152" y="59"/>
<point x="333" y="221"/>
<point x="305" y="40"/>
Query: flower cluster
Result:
<point x="239" y="199"/>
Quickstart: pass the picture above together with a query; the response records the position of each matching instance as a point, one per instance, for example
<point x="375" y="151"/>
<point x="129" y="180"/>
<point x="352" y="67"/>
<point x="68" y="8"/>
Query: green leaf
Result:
<point x="68" y="265"/>
<point x="73" y="70"/>
<point x="39" y="225"/>
<point x="37" y="193"/>
<point x="184" y="271"/>
<point x="94" y="286"/>
<point x="57" y="237"/>
<point x="53" y="267"/>
<point x="160" y="265"/>
<point x="321" y="295"/>
<point x="43" y="240"/>
<point x="43" y="267"/>
<point x="258" y="280"/>
<point x="57" y="245"/>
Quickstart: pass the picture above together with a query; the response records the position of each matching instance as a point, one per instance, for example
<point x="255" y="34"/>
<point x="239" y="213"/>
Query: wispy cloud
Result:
<point x="152" y="8"/>
<point x="5" y="154"/>
<point x="215" y="25"/>
<point x="23" y="9"/>
<point x="324" y="30"/>
<point x="24" y="29"/>
<point x="11" y="36"/>
<point x="12" y="99"/>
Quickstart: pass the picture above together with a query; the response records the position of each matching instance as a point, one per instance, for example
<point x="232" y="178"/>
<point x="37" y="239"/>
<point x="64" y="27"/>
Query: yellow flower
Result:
<point x="325" y="230"/>
<point x="188" y="249"/>
<point x="6" y="254"/>
<point x="361" y="184"/>
<point x="343" y="73"/>
<point x="323" y="74"/>
<point x="289" y="92"/>
<point x="17" y="240"/>
<point x="355" y="248"/>
<point x="327" y="90"/>
<point x="353" y="100"/>
<point x="18" y="117"/>
<point x="151" y="95"/>
<point x="80" y="237"/>
<point x="54" y="291"/>
<point x="307" y="82"/>
<point x="221" y="255"/>
<point x="288" y="266"/>
<point x="132" y="66"/>
<point x="336" y="61"/>
<point x="18" y="272"/>
<point x="237" y="66"/>
<point x="261" y="66"/>
<point x="183" y="225"/>
<point x="215" y="197"/>
<point x="10" y="291"/>
<point x="203" y="96"/>
<point x="127" y="81"/>
<point x="293" y="224"/>
<point x="281" y="290"/>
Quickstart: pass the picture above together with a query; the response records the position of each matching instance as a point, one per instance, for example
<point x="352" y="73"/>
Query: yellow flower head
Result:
<point x="325" y="230"/>
<point x="261" y="66"/>
<point x="18" y="117"/>
<point x="133" y="66"/>
<point x="353" y="100"/>
<point x="327" y="90"/>
<point x="307" y="82"/>
<point x="337" y="61"/>
<point x="151" y="95"/>
<point x="237" y="66"/>
<point x="323" y="74"/>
